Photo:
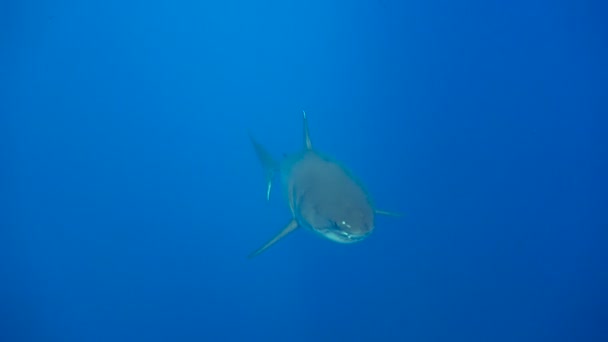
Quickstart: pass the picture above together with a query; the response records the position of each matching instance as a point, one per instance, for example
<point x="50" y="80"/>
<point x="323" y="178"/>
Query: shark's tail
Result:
<point x="271" y="167"/>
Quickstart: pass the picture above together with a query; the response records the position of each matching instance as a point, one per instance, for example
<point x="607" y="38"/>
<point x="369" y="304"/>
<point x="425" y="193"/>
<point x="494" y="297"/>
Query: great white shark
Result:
<point x="323" y="195"/>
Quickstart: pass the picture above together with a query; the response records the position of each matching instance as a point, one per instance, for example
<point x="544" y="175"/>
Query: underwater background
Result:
<point x="130" y="194"/>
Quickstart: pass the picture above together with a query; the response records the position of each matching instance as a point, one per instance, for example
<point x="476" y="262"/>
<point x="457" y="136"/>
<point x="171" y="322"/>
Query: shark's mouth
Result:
<point x="337" y="234"/>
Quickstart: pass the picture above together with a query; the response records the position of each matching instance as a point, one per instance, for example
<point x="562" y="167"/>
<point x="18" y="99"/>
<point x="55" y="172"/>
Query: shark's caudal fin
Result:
<point x="291" y="226"/>
<point x="307" y="142"/>
<point x="270" y="165"/>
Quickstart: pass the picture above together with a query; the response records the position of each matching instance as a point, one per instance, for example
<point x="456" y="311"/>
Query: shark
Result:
<point x="322" y="194"/>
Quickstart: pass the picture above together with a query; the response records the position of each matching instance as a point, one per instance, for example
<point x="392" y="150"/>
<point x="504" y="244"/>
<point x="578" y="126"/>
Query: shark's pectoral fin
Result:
<point x="291" y="226"/>
<point x="387" y="213"/>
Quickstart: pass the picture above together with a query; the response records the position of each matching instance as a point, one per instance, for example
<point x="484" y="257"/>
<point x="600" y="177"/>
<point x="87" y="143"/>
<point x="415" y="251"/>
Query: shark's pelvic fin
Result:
<point x="291" y="226"/>
<point x="307" y="142"/>
<point x="269" y="164"/>
<point x="387" y="213"/>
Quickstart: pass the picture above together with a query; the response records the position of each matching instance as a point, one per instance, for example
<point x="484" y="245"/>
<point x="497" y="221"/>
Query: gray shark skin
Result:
<point x="322" y="195"/>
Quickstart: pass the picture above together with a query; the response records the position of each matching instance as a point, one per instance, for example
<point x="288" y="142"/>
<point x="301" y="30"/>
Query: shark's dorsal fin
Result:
<point x="291" y="226"/>
<point x="307" y="142"/>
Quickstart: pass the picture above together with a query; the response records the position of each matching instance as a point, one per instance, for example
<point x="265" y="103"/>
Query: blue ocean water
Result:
<point x="130" y="195"/>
